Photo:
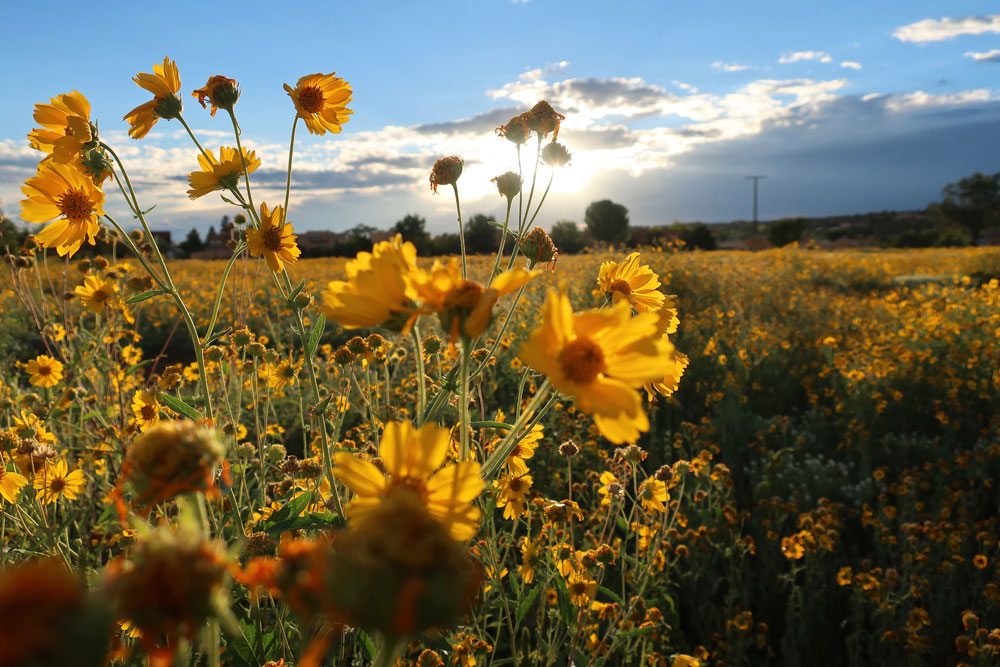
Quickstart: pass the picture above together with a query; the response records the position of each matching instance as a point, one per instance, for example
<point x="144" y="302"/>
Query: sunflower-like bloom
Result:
<point x="667" y="325"/>
<point x="56" y="481"/>
<point x="581" y="588"/>
<point x="631" y="282"/>
<point x="44" y="371"/>
<point x="529" y="560"/>
<point x="170" y="458"/>
<point x="653" y="495"/>
<point x="146" y="409"/>
<point x="600" y="358"/>
<point x="321" y="101"/>
<point x="221" y="174"/>
<point x="65" y="127"/>
<point x="95" y="292"/>
<point x="61" y="192"/>
<point x="411" y="458"/>
<point x="274" y="240"/>
<point x="464" y="307"/>
<point x="164" y="83"/>
<point x="512" y="494"/>
<point x="378" y="290"/>
<point x="524" y="449"/>
<point x="10" y="484"/>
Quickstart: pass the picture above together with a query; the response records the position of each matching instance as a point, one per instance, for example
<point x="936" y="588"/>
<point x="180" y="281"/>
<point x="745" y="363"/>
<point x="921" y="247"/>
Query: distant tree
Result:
<point x="480" y="234"/>
<point x="787" y="230"/>
<point x="699" y="236"/>
<point x="607" y="221"/>
<point x="567" y="237"/>
<point x="192" y="243"/>
<point x="411" y="228"/>
<point x="211" y="232"/>
<point x="445" y="244"/>
<point x="973" y="203"/>
<point x="10" y="236"/>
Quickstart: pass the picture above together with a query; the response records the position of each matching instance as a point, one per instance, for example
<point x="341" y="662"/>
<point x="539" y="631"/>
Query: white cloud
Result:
<point x="921" y="99"/>
<point x="984" y="57"/>
<point x="937" y="30"/>
<point x="850" y="64"/>
<point x="730" y="67"/>
<point x="794" y="57"/>
<point x="536" y="74"/>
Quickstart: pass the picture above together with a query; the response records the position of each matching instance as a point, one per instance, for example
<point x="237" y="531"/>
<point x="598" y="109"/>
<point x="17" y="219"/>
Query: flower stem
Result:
<point x="461" y="233"/>
<point x="463" y="398"/>
<point x="288" y="176"/>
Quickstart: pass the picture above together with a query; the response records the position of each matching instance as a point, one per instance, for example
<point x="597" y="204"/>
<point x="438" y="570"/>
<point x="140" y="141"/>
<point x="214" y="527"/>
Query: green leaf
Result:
<point x="564" y="606"/>
<point x="290" y="517"/>
<point x="505" y="427"/>
<point x="240" y="647"/>
<point x="142" y="296"/>
<point x="637" y="632"/>
<point x="527" y="602"/>
<point x="177" y="405"/>
<point x="315" y="334"/>
<point x="216" y="336"/>
<point x="367" y="645"/>
<point x="295" y="290"/>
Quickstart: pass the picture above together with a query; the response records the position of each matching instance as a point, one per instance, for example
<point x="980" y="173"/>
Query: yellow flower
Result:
<point x="524" y="449"/>
<point x="581" y="589"/>
<point x="599" y="358"/>
<point x="10" y="484"/>
<point x="668" y="384"/>
<point x="164" y="83"/>
<point x="632" y="283"/>
<point x="60" y="191"/>
<point x="95" y="291"/>
<point x="65" y="122"/>
<point x="44" y="371"/>
<point x="274" y="240"/>
<point x="221" y="174"/>
<point x="321" y="100"/>
<point x="146" y="409"/>
<point x="512" y="496"/>
<point x="682" y="660"/>
<point x="464" y="307"/>
<point x="378" y="290"/>
<point x="411" y="458"/>
<point x="653" y="495"/>
<point x="283" y="374"/>
<point x="529" y="560"/>
<point x="604" y="491"/>
<point x="56" y="481"/>
<point x="29" y="425"/>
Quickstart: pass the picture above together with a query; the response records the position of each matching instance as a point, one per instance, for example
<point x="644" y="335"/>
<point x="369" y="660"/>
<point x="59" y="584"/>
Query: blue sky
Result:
<point x="847" y="107"/>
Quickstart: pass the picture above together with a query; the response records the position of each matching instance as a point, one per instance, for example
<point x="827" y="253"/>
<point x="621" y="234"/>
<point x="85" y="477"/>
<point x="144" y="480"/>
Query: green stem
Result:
<point x="421" y="381"/>
<point x="222" y="286"/>
<point x="193" y="138"/>
<point x="464" y="401"/>
<point x="461" y="233"/>
<point x="503" y="239"/>
<point x="243" y="160"/>
<point x="499" y="456"/>
<point x="288" y="176"/>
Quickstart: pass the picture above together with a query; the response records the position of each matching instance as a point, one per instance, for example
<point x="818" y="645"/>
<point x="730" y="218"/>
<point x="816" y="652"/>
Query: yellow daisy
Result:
<point x="529" y="560"/>
<point x="283" y="374"/>
<point x="221" y="174"/>
<point x="164" y="83"/>
<point x="604" y="491"/>
<point x="378" y="290"/>
<point x="600" y="358"/>
<point x="61" y="192"/>
<point x="524" y="449"/>
<point x="44" y="371"/>
<point x="581" y="588"/>
<point x="29" y="425"/>
<point x="668" y="384"/>
<point x="653" y="495"/>
<point x="512" y="495"/>
<point x="65" y="127"/>
<point x="95" y="292"/>
<point x="274" y="240"/>
<point x="631" y="282"/>
<point x="464" y="307"/>
<point x="146" y="409"/>
<point x="10" y="484"/>
<point x="321" y="101"/>
<point x="412" y="458"/>
<point x="56" y="481"/>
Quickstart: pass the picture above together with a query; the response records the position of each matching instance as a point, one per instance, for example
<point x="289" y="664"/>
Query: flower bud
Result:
<point x="509" y="184"/>
<point x="537" y="246"/>
<point x="555" y="155"/>
<point x="168" y="107"/>
<point x="544" y="119"/>
<point x="222" y="91"/>
<point x="516" y="130"/>
<point x="446" y="171"/>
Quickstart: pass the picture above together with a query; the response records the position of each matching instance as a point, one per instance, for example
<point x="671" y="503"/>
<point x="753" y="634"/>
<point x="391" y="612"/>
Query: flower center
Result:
<point x="466" y="296"/>
<point x="621" y="287"/>
<point x="75" y="205"/>
<point x="578" y="588"/>
<point x="582" y="360"/>
<point x="148" y="412"/>
<point x="516" y="486"/>
<point x="57" y="484"/>
<point x="272" y="239"/>
<point x="43" y="370"/>
<point x="99" y="295"/>
<point x="311" y="98"/>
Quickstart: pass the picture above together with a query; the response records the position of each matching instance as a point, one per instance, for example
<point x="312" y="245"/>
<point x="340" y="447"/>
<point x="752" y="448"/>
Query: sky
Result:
<point x="845" y="107"/>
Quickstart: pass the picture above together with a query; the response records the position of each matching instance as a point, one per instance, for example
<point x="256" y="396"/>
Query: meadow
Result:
<point x="643" y="457"/>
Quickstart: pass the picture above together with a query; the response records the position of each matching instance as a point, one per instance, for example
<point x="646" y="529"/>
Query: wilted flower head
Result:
<point x="170" y="584"/>
<point x="516" y="130"/>
<point x="446" y="171"/>
<point x="538" y="247"/>
<point x="544" y="119"/>
<point x="221" y="91"/>
<point x="171" y="458"/>
<point x="555" y="155"/>
<point x="509" y="184"/>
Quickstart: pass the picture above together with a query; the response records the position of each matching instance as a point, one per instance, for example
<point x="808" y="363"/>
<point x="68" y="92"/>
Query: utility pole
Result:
<point x="755" y="179"/>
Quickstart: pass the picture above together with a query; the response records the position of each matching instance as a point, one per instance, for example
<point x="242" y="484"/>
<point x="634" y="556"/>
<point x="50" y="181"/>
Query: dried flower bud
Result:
<point x="432" y="344"/>
<point x="516" y="130"/>
<point x="214" y="353"/>
<point x="242" y="337"/>
<point x="509" y="184"/>
<point x="276" y="453"/>
<point x="555" y="155"/>
<point x="358" y="346"/>
<point x="537" y="246"/>
<point x="221" y="91"/>
<point x="544" y="119"/>
<point x="446" y="171"/>
<point x="170" y="458"/>
<point x="664" y="473"/>
<point x="343" y="356"/>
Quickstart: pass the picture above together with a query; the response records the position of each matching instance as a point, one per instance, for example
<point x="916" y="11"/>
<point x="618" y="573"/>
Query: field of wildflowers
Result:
<point x="651" y="458"/>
